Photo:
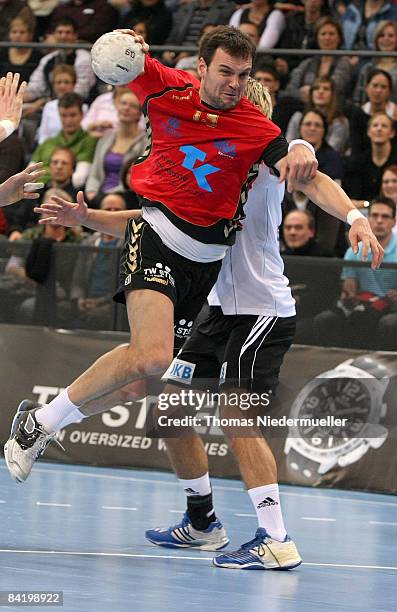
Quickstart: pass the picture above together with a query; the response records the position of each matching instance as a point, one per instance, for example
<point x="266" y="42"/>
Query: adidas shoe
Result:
<point x="184" y="535"/>
<point x="261" y="553"/>
<point x="28" y="440"/>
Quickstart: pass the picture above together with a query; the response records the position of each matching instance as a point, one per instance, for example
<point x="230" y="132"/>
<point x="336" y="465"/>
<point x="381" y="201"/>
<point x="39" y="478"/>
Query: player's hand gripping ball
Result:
<point x="117" y="58"/>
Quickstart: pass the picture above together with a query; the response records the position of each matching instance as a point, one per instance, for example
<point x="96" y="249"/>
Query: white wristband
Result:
<point x="353" y="215"/>
<point x="302" y="142"/>
<point x="8" y="126"/>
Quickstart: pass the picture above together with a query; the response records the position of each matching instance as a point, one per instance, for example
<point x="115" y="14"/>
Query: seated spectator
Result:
<point x="62" y="165"/>
<point x="93" y="17"/>
<point x="360" y="21"/>
<point x="299" y="230"/>
<point x="19" y="59"/>
<point x="364" y="172"/>
<point x="385" y="38"/>
<point x="378" y="90"/>
<point x="95" y="278"/>
<point x="63" y="79"/>
<point x="323" y="96"/>
<point x="299" y="32"/>
<point x="330" y="232"/>
<point x="365" y="315"/>
<point x="389" y="186"/>
<point x="270" y="21"/>
<point x="251" y="30"/>
<point x="9" y="9"/>
<point x="33" y="299"/>
<point x="128" y="142"/>
<point x="189" y="20"/>
<point x="20" y="216"/>
<point x="328" y="35"/>
<point x="71" y="136"/>
<point x="40" y="86"/>
<point x="284" y="106"/>
<point x="155" y="14"/>
<point x="101" y="118"/>
<point x="299" y="240"/>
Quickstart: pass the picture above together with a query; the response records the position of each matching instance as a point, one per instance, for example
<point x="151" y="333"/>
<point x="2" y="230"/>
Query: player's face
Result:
<point x="61" y="166"/>
<point x="389" y="185"/>
<point x="224" y="80"/>
<point x="381" y="220"/>
<point x="70" y="119"/>
<point x="296" y="230"/>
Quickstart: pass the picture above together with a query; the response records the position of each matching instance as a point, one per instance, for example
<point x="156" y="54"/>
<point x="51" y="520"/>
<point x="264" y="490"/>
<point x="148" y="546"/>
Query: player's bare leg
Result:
<point x="151" y="319"/>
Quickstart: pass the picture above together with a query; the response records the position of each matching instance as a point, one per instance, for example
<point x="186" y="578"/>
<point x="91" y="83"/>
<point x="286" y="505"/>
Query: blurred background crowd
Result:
<point x="88" y="135"/>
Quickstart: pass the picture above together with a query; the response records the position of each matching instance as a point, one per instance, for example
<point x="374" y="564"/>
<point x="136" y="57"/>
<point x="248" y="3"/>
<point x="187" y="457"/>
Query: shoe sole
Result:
<point x="210" y="547"/>
<point x="12" y="466"/>
<point x="254" y="566"/>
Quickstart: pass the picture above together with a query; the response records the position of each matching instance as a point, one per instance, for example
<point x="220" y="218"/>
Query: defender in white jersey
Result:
<point x="240" y="345"/>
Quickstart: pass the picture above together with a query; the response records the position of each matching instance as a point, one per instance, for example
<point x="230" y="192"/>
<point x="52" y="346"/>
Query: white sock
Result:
<point x="197" y="486"/>
<point x="74" y="417"/>
<point x="53" y="414"/>
<point x="266" y="501"/>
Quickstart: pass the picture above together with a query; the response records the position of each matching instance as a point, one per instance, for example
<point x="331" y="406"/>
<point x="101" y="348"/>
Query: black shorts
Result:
<point x="146" y="263"/>
<point x="235" y="351"/>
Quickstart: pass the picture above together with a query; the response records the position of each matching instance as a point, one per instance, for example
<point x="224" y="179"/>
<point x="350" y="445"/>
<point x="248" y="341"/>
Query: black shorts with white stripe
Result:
<point x="241" y="351"/>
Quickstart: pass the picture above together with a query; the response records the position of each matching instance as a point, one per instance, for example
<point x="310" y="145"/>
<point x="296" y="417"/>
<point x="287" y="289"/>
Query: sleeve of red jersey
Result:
<point x="157" y="77"/>
<point x="275" y="145"/>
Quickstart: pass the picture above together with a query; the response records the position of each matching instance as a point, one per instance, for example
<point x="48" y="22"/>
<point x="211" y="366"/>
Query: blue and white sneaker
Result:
<point x="261" y="553"/>
<point x="184" y="535"/>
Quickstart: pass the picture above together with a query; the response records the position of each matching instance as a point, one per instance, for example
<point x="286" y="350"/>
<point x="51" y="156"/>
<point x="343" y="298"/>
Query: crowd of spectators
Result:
<point x="88" y="135"/>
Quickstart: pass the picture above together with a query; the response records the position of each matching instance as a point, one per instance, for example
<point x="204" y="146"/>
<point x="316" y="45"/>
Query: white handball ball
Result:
<point x="117" y="58"/>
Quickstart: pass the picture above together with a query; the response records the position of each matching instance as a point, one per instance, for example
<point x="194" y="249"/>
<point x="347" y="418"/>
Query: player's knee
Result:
<point x="154" y="362"/>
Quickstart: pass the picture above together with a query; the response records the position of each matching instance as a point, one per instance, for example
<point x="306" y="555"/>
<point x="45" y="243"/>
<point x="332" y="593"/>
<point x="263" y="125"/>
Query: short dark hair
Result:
<point x="228" y="38"/>
<point x="269" y="69"/>
<point x="308" y="214"/>
<point x="378" y="71"/>
<point x="380" y="199"/>
<point x="70" y="99"/>
<point x="64" y="21"/>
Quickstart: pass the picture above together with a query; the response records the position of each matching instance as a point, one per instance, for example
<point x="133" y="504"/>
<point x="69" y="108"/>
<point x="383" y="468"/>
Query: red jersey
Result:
<point x="198" y="158"/>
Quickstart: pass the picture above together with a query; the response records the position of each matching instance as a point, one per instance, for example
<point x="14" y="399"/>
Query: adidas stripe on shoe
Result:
<point x="184" y="535"/>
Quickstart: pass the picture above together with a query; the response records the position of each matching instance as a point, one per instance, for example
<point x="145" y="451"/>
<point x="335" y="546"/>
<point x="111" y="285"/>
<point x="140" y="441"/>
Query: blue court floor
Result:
<point x="80" y="530"/>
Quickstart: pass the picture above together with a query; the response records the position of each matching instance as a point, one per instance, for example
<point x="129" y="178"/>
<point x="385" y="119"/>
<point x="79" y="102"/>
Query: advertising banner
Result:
<point x="333" y="421"/>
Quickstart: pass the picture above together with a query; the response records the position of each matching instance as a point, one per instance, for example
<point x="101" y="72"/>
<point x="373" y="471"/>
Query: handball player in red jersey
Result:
<point x="205" y="143"/>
